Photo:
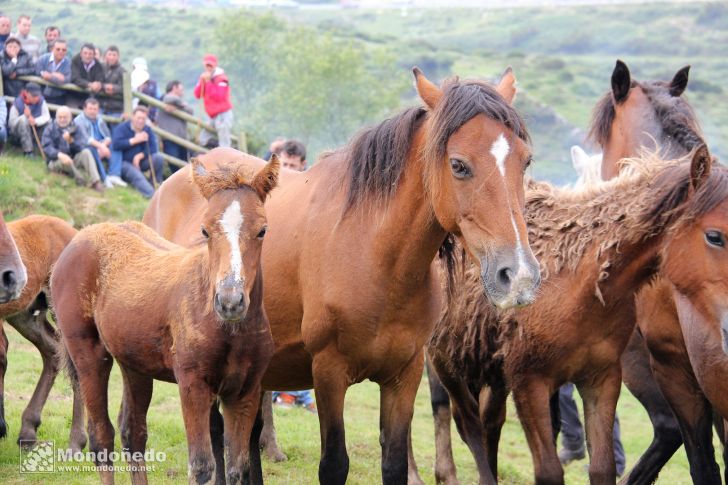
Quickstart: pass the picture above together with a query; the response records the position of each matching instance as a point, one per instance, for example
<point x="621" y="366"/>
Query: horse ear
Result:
<point x="621" y="82"/>
<point x="199" y="176"/>
<point x="507" y="85"/>
<point x="700" y="166"/>
<point x="429" y="93"/>
<point x="679" y="82"/>
<point x="265" y="180"/>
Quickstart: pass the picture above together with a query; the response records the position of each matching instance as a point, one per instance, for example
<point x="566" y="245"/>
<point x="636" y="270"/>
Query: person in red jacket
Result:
<point x="214" y="89"/>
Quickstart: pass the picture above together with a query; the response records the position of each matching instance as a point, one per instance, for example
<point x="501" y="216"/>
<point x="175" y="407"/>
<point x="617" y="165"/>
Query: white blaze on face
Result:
<point x="500" y="150"/>
<point x="231" y="222"/>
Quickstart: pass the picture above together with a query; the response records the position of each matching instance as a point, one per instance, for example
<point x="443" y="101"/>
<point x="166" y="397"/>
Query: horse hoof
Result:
<point x="27" y="442"/>
<point x="276" y="456"/>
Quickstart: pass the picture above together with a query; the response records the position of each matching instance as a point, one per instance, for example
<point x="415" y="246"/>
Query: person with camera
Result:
<point x="65" y="153"/>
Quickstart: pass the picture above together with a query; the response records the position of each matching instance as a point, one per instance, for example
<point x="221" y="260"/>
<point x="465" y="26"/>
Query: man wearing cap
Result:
<point x="29" y="112"/>
<point x="141" y="81"/>
<point x="214" y="90"/>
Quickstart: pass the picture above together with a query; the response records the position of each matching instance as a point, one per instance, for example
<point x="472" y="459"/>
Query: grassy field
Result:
<point x="26" y="188"/>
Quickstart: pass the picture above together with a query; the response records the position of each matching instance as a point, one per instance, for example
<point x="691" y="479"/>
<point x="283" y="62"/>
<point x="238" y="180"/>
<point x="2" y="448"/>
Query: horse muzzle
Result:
<point x="12" y="283"/>
<point x="510" y="278"/>
<point x="230" y="301"/>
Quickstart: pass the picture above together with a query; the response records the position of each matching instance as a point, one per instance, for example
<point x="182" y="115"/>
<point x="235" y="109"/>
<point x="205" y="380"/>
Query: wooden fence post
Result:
<point x="2" y="93"/>
<point x="126" y="88"/>
<point x="243" y="142"/>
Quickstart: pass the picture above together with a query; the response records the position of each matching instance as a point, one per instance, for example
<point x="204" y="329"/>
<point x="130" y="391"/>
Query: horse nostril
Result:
<point x="504" y="276"/>
<point x="9" y="279"/>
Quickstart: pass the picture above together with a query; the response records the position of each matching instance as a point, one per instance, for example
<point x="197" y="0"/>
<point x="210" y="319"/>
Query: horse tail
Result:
<point x="65" y="363"/>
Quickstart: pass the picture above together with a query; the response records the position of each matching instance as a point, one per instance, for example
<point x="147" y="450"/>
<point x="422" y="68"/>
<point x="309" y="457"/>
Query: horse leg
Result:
<point x="40" y="333"/>
<point x="268" y="440"/>
<point x="133" y="420"/>
<point x="600" y="403"/>
<point x="197" y="399"/>
<point x="413" y="475"/>
<point x="637" y="376"/>
<point x="331" y="383"/>
<point x="532" y="397"/>
<point x="239" y="417"/>
<point x="467" y="421"/>
<point x="694" y="414"/>
<point x="395" y="416"/>
<point x="4" y="344"/>
<point x="256" y="468"/>
<point x="492" y="418"/>
<point x="445" y="471"/>
<point x="91" y="364"/>
<point x="217" y="437"/>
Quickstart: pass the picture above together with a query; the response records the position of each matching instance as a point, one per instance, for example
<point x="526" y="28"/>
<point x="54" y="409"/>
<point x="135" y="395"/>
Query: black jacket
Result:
<point x="23" y="67"/>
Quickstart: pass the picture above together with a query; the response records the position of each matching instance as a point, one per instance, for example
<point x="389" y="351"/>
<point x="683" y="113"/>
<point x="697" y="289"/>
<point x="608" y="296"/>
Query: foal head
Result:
<point x="234" y="225"/>
<point x="696" y="258"/>
<point x="13" y="275"/>
<point x="476" y="147"/>
<point x="651" y="115"/>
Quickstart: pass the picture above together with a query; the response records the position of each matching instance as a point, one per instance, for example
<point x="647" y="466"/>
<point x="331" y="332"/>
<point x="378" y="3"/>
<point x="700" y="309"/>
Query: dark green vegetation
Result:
<point x="320" y="74"/>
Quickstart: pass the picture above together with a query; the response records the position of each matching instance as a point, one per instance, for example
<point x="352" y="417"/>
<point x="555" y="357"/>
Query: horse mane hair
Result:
<point x="375" y="158"/>
<point x="229" y="176"/>
<point x="676" y="117"/>
<point x="649" y="198"/>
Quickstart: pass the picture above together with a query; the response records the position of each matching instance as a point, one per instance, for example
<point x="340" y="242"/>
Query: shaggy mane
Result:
<point x="230" y="176"/>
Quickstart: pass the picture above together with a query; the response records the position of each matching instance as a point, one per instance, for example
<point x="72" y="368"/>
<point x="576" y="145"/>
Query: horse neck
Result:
<point x="408" y="234"/>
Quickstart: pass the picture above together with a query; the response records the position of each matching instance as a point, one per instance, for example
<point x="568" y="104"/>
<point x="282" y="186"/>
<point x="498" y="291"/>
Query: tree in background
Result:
<point x="297" y="81"/>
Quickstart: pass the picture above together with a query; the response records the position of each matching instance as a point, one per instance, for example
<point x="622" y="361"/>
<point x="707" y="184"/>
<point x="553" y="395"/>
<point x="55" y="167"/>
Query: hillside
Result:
<point x="563" y="56"/>
<point x="26" y="188"/>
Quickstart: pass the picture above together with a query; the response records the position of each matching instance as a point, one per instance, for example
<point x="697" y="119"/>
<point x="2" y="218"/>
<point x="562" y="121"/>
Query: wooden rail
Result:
<point x="127" y="95"/>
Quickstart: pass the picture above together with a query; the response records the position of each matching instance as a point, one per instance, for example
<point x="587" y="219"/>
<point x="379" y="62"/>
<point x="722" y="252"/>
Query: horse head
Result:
<point x="13" y="275"/>
<point x="477" y="149"/>
<point x="234" y="225"/>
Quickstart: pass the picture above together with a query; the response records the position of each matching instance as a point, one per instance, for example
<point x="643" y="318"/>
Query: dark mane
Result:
<point x="675" y="115"/>
<point x="376" y="156"/>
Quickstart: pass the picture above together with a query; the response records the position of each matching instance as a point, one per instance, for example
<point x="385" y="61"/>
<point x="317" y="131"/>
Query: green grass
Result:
<point x="297" y="433"/>
<point x="26" y="187"/>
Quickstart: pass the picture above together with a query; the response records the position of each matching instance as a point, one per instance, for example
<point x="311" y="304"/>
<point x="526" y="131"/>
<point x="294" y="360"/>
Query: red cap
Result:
<point x="210" y="59"/>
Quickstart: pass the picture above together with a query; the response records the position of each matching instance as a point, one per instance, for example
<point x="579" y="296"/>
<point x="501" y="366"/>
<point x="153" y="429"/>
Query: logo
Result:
<point x="37" y="456"/>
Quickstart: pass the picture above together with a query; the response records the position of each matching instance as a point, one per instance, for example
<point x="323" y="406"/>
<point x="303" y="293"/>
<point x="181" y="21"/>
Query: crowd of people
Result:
<point x="121" y="153"/>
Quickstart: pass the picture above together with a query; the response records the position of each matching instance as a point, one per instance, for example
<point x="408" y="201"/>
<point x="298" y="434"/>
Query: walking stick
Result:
<point x="37" y="140"/>
<point x="151" y="165"/>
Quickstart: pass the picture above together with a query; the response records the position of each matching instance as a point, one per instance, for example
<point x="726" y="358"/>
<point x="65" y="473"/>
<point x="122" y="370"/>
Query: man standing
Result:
<point x="137" y="144"/>
<point x="29" y="43"/>
<point x="52" y="34"/>
<point x="166" y="120"/>
<point x="96" y="136"/>
<point x="29" y="113"/>
<point x="5" y="26"/>
<point x="113" y="81"/>
<point x="214" y="89"/>
<point x="65" y="153"/>
<point x="86" y="72"/>
<point x="55" y="67"/>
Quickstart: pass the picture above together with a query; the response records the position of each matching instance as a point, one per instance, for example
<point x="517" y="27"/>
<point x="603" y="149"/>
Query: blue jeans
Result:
<point x="135" y="177"/>
<point x="175" y="150"/>
<point x="3" y="136"/>
<point x="114" y="163"/>
<point x="303" y="398"/>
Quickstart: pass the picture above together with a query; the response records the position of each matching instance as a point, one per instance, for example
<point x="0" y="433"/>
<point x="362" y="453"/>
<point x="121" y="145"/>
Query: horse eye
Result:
<point x="459" y="168"/>
<point x="204" y="233"/>
<point x="528" y="163"/>
<point x="262" y="232"/>
<point x="715" y="238"/>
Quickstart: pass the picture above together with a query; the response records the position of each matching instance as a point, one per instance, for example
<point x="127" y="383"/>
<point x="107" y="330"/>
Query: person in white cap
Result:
<point x="141" y="81"/>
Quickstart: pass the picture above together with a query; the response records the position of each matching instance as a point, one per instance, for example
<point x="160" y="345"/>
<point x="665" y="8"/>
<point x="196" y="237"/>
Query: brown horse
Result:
<point x="349" y="289"/>
<point x="597" y="247"/>
<point x="651" y="115"/>
<point x="39" y="240"/>
<point x="188" y="315"/>
<point x="658" y="113"/>
<point x="13" y="275"/>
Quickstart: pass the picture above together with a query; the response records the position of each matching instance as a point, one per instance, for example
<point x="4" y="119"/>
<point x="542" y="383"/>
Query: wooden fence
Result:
<point x="127" y="95"/>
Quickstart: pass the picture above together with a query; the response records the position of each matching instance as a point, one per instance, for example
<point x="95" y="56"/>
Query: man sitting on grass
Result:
<point x="138" y="147"/>
<point x="65" y="154"/>
<point x="28" y="114"/>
